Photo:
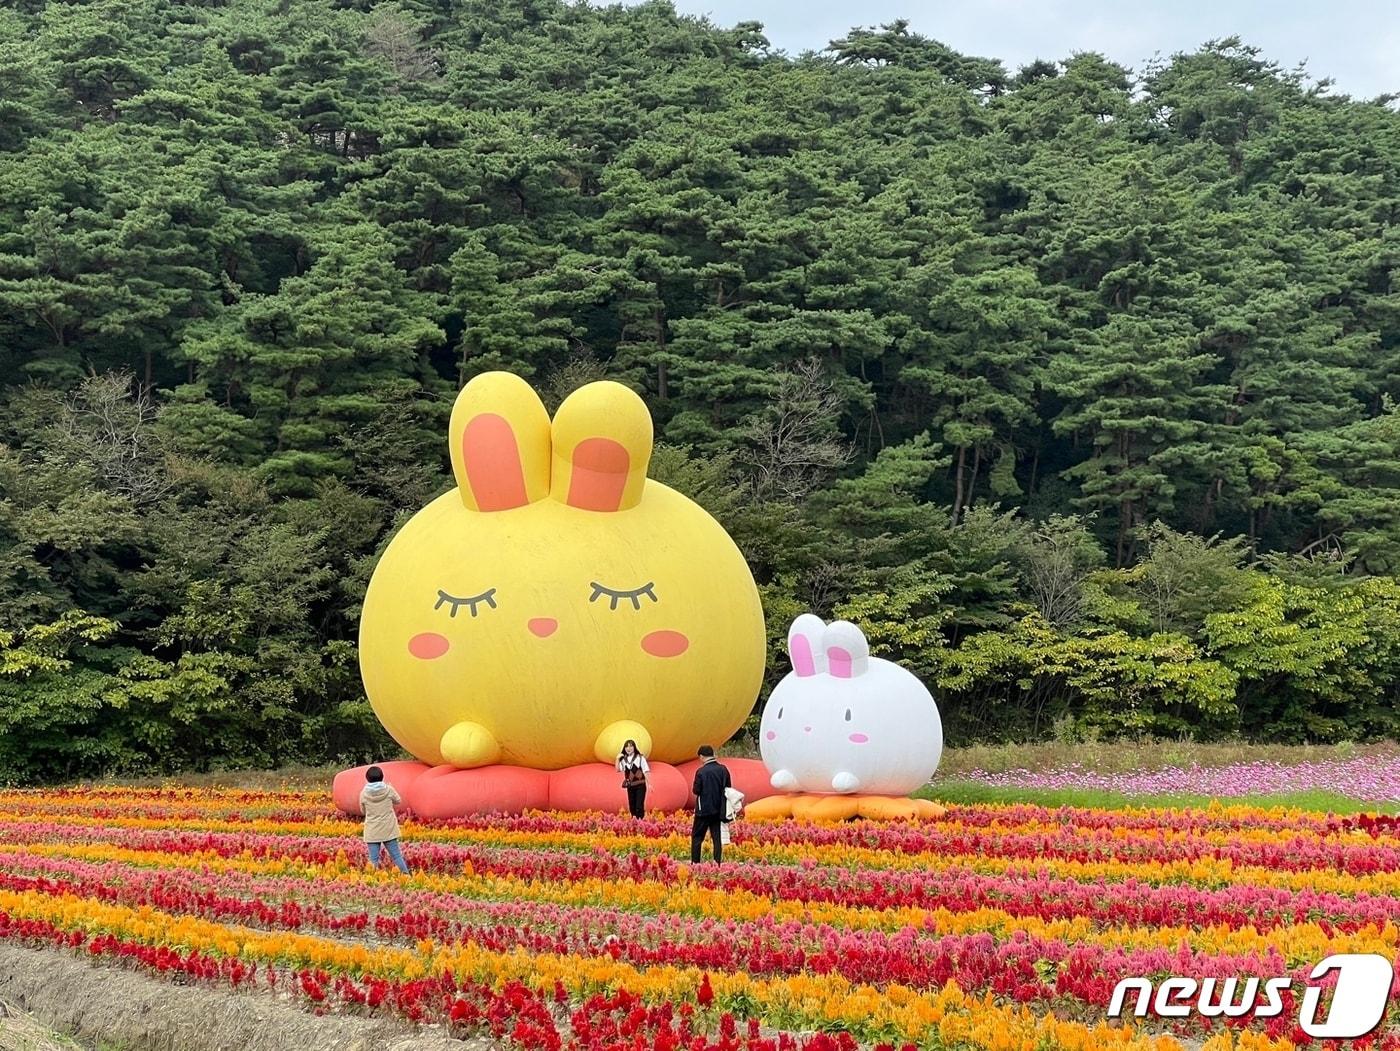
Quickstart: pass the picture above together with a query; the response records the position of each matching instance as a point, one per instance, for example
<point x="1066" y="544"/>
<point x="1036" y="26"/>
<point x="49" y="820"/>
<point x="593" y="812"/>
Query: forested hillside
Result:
<point x="1073" y="384"/>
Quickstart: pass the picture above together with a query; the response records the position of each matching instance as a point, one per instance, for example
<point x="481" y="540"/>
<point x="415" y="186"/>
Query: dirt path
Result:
<point x="22" y="1032"/>
<point x="125" y="1011"/>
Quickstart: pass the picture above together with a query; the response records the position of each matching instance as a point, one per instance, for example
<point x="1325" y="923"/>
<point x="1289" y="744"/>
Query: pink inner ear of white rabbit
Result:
<point x="800" y="647"/>
<point x="839" y="661"/>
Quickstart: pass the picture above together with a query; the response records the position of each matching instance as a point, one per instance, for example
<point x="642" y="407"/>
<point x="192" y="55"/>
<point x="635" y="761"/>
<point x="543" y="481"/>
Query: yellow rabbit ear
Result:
<point x="602" y="444"/>
<point x="499" y="440"/>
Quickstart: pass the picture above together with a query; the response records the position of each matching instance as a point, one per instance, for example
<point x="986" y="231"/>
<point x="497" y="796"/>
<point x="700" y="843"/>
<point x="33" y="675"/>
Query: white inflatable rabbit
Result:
<point x="844" y="721"/>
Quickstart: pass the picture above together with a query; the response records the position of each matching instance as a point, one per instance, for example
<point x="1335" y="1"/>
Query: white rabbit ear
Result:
<point x="847" y="652"/>
<point x="805" y="645"/>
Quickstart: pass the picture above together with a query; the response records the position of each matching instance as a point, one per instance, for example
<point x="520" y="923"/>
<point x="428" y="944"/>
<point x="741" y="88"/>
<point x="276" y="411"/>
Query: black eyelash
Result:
<point x="488" y="596"/>
<point x="634" y="596"/>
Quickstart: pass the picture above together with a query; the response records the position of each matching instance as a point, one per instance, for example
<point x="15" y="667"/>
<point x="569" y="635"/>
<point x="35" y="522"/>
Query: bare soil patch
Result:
<point x="119" y="1010"/>
<point x="22" y="1032"/>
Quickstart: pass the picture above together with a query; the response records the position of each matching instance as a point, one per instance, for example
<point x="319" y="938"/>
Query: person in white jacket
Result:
<point x="377" y="802"/>
<point x="733" y="807"/>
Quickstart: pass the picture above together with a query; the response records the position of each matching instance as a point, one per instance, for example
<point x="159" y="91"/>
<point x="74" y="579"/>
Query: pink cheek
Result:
<point x="858" y="738"/>
<point x="771" y="735"/>
<point x="665" y="643"/>
<point x="428" y="646"/>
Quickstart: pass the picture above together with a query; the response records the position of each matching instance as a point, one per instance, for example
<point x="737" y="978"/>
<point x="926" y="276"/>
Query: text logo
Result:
<point x="1359" y="998"/>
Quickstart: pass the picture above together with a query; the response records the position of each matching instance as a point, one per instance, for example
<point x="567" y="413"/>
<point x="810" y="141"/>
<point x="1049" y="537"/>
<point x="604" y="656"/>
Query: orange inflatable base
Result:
<point x="806" y="806"/>
<point x="446" y="792"/>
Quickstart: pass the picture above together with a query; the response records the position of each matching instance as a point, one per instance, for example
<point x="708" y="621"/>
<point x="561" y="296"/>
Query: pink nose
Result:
<point x="807" y="728"/>
<point x="544" y="627"/>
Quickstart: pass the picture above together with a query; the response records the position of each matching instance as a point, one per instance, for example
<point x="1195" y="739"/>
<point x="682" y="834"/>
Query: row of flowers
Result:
<point x="1192" y="828"/>
<point x="530" y="1021"/>
<point x="1361" y="863"/>
<point x="287" y="805"/>
<point x="1111" y="902"/>
<point x="750" y="918"/>
<point x="397" y="980"/>
<point x="801" y="880"/>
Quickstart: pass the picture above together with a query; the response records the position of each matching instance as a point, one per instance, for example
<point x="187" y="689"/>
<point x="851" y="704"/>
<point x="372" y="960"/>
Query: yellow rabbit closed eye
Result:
<point x="618" y="609"/>
<point x="634" y="596"/>
<point x="454" y="604"/>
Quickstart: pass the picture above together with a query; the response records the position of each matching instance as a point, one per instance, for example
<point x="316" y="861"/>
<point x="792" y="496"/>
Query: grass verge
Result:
<point x="971" y="792"/>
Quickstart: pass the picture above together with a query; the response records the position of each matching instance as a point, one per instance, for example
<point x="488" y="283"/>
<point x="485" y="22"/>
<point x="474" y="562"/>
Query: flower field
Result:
<point x="1372" y="778"/>
<point x="997" y="928"/>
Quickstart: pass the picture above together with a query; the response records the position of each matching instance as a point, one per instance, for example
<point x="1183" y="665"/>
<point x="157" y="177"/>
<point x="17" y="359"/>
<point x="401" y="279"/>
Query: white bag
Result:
<point x="733" y="803"/>
<point x="733" y="807"/>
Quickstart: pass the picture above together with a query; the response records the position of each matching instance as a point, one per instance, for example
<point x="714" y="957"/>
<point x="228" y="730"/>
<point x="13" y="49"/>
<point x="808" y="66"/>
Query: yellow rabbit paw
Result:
<point x="609" y="744"/>
<point x="466" y="745"/>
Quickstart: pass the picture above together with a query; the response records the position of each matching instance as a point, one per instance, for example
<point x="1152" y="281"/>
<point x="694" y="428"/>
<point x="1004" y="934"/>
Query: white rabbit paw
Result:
<point x="844" y="782"/>
<point x="785" y="780"/>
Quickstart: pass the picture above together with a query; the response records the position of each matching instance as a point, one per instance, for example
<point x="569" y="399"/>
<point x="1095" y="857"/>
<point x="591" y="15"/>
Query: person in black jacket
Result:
<point x="711" y="779"/>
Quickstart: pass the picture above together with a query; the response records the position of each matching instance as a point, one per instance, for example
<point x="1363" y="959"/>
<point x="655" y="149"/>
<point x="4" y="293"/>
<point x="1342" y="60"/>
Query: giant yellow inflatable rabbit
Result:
<point x="558" y="602"/>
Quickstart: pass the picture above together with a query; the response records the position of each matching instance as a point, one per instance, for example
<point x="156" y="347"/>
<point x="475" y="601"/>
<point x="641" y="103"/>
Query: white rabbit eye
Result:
<point x="780" y="711"/>
<point x="848" y="715"/>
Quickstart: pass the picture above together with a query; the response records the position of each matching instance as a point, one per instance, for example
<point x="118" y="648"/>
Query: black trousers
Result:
<point x="711" y="823"/>
<point x="636" y="799"/>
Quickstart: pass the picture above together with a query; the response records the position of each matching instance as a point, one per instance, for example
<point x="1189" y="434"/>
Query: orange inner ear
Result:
<point x="492" y="460"/>
<point x="599" y="475"/>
